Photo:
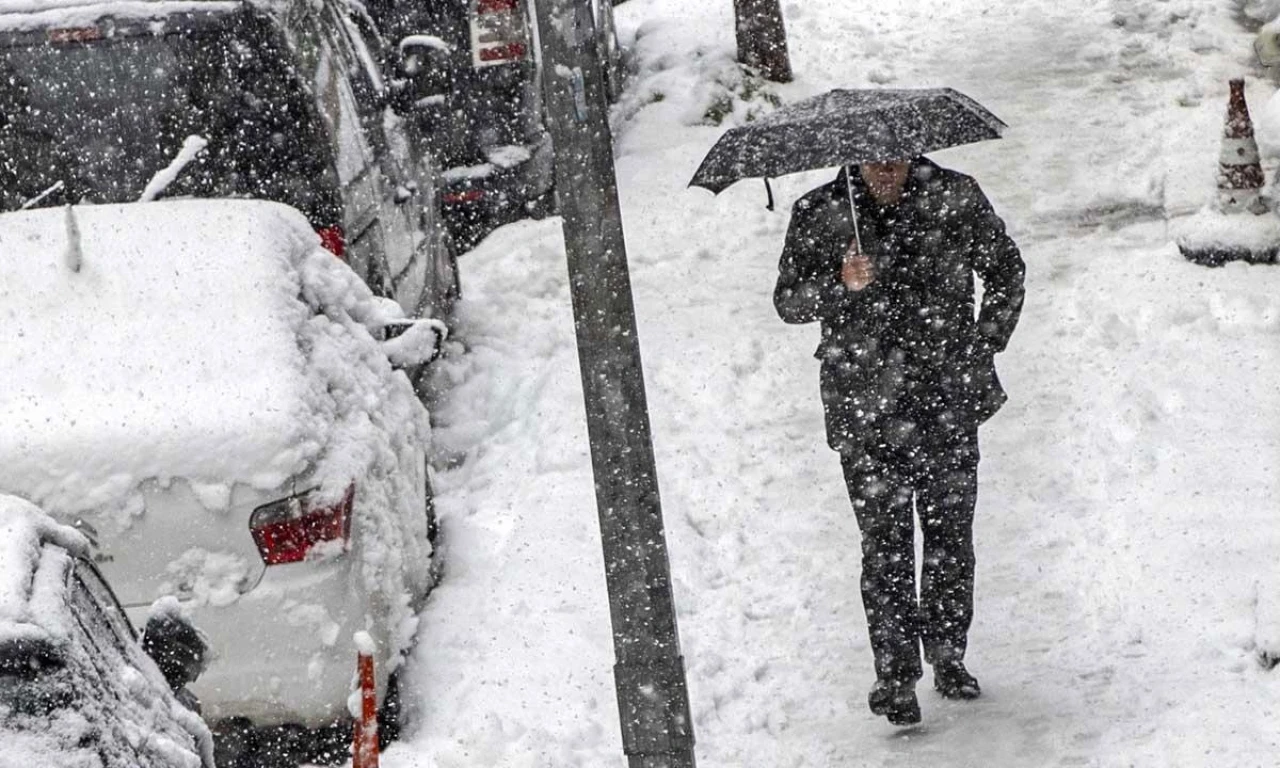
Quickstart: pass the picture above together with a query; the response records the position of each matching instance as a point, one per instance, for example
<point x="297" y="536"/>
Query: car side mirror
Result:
<point x="179" y="649"/>
<point x="422" y="76"/>
<point x="413" y="343"/>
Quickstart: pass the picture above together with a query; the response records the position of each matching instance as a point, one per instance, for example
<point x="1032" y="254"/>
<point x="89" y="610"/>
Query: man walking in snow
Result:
<point x="907" y="376"/>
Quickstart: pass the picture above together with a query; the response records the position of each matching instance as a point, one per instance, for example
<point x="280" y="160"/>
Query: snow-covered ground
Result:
<point x="1126" y="534"/>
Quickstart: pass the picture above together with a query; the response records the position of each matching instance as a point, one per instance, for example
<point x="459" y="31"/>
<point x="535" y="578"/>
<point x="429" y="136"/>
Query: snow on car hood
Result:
<point x="171" y="351"/>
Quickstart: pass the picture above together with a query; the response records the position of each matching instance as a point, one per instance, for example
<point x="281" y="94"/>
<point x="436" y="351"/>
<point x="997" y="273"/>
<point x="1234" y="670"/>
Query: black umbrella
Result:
<point x="846" y="127"/>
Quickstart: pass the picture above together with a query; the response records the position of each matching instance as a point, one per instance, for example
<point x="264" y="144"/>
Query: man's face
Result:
<point x="886" y="180"/>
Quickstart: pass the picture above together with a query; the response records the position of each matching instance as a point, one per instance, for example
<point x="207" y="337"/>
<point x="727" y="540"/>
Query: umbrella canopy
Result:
<point x="846" y="127"/>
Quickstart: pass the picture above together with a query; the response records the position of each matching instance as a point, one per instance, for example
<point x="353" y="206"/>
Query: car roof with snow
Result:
<point x="68" y="16"/>
<point x="179" y="339"/>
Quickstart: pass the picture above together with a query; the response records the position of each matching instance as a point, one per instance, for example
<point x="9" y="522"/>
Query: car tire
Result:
<point x="390" y="714"/>
<point x="433" y="536"/>
<point x="543" y="206"/>
<point x="452" y="292"/>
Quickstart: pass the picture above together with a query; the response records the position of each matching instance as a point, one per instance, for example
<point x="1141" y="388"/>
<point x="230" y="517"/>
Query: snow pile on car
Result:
<point x="23" y="529"/>
<point x="374" y="422"/>
<point x="23" y="15"/>
<point x="209" y="341"/>
<point x="170" y="352"/>
<point x="63" y="716"/>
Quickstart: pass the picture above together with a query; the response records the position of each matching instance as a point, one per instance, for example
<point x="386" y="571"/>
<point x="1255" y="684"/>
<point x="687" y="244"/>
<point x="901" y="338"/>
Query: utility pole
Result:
<point x="762" y="38"/>
<point x="653" y="698"/>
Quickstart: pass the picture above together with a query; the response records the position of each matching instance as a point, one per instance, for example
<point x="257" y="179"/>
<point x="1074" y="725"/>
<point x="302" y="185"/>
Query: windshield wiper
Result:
<point x="191" y="146"/>
<point x="36" y="200"/>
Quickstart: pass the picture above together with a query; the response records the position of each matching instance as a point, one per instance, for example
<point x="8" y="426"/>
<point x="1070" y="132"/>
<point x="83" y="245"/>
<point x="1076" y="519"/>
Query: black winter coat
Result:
<point x="903" y="360"/>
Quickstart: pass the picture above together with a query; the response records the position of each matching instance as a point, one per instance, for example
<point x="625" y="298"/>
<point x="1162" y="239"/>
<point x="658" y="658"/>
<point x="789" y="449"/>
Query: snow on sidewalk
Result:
<point x="1125" y="524"/>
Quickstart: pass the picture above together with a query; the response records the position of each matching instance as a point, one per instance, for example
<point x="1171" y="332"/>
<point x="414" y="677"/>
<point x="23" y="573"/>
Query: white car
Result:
<point x="204" y="390"/>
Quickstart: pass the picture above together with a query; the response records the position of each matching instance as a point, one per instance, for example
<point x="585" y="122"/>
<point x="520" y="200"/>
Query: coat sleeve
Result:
<point x="997" y="261"/>
<point x="809" y="286"/>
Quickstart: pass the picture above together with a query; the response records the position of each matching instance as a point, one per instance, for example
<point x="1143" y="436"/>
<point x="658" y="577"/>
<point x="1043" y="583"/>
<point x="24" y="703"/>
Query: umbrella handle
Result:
<point x="853" y="209"/>
<point x="768" y="189"/>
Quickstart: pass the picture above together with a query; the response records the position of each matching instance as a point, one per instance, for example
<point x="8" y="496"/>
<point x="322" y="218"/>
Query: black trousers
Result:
<point x="936" y="480"/>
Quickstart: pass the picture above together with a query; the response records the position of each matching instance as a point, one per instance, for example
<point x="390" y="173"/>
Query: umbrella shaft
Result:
<point x="853" y="209"/>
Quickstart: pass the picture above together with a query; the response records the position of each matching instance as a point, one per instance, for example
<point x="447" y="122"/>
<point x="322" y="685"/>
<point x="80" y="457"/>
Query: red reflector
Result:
<point x="508" y="52"/>
<point x="286" y="530"/>
<point x="468" y="196"/>
<point x="75" y="35"/>
<point x="496" y="6"/>
<point x="334" y="240"/>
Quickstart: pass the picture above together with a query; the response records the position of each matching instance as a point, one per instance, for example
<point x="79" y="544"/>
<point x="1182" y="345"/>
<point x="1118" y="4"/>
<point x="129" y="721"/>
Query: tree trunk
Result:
<point x="762" y="38"/>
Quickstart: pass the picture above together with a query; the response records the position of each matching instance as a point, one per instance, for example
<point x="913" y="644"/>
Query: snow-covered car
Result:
<point x="208" y="391"/>
<point x="76" y="688"/>
<point x="98" y="99"/>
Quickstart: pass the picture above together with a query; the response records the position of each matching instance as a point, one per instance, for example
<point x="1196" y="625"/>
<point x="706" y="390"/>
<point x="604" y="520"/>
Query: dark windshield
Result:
<point x="100" y="118"/>
<point x="33" y="676"/>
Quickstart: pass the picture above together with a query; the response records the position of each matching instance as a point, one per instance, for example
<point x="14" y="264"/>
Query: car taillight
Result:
<point x="334" y="240"/>
<point x="74" y="35"/>
<point x="286" y="530"/>
<point x="506" y="52"/>
<point x="498" y="32"/>
<point x="466" y="196"/>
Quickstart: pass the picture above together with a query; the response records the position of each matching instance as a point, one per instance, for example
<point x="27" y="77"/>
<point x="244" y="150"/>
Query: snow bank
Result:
<point x="1212" y="231"/>
<point x="687" y="76"/>
<point x="1266" y="123"/>
<point x="1260" y="10"/>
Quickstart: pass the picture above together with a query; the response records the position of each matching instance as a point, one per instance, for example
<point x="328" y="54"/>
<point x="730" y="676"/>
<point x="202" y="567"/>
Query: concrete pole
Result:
<point x="653" y="699"/>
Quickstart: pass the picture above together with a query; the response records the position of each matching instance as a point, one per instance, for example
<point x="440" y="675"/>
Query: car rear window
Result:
<point x="93" y="120"/>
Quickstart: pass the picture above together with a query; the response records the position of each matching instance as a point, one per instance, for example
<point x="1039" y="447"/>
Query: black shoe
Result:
<point x="953" y="681"/>
<point x="895" y="701"/>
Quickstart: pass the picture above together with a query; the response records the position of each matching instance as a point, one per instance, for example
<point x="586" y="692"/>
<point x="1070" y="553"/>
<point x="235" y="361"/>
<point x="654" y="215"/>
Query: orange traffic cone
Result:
<point x="364" y="746"/>
<point x="1240" y="177"/>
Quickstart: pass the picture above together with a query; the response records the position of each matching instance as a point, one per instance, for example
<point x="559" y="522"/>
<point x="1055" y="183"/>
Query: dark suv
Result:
<point x="469" y="74"/>
<point x="291" y="103"/>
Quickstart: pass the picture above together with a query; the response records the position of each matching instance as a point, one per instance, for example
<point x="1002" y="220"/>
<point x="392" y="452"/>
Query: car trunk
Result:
<point x="153" y="391"/>
<point x="190" y="547"/>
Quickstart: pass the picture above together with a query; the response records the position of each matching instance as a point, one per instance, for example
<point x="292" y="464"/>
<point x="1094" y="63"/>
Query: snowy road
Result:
<point x="1126" y="512"/>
